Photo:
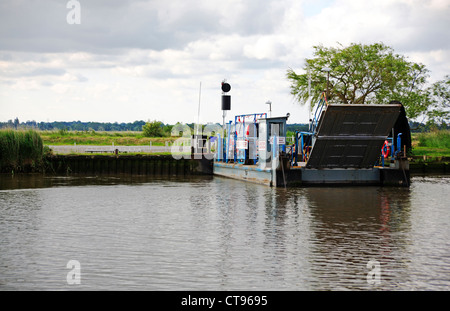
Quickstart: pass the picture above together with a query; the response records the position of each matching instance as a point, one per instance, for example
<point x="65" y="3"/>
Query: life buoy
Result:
<point x="385" y="150"/>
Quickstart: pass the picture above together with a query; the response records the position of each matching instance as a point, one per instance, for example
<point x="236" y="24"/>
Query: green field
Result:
<point x="94" y="138"/>
<point x="431" y="144"/>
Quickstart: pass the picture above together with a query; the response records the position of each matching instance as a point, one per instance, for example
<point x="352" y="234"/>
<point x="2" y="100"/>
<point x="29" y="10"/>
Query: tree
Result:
<point x="439" y="110"/>
<point x="153" y="129"/>
<point x="362" y="74"/>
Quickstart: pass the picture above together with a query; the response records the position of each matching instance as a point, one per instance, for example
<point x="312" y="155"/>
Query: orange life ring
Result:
<point x="385" y="150"/>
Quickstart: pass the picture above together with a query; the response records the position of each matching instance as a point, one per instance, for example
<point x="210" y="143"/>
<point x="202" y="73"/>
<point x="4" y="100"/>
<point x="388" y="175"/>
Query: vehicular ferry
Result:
<point x="345" y="145"/>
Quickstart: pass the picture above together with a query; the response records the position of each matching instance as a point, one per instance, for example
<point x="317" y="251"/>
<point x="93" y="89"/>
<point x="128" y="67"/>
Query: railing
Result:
<point x="322" y="102"/>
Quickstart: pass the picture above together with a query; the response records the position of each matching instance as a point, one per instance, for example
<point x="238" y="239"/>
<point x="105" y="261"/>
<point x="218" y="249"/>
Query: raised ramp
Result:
<point x="351" y="136"/>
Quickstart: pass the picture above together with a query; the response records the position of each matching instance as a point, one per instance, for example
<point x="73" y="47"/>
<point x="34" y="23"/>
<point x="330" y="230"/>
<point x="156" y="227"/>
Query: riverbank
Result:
<point x="430" y="152"/>
<point x="138" y="164"/>
<point x="427" y="164"/>
<point x="26" y="152"/>
<point x="166" y="165"/>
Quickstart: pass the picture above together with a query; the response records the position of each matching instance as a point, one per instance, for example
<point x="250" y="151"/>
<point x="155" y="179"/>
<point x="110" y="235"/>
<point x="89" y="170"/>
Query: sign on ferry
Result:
<point x="280" y="140"/>
<point x="241" y="144"/>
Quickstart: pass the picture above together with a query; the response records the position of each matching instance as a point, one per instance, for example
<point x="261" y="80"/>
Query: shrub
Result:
<point x="153" y="129"/>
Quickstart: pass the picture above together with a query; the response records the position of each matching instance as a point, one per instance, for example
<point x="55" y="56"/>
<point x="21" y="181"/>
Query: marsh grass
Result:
<point x="434" y="139"/>
<point x="20" y="150"/>
<point x="433" y="144"/>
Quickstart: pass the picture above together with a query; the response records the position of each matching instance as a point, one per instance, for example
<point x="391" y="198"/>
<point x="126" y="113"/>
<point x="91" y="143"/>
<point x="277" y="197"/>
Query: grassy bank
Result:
<point x="25" y="151"/>
<point x="432" y="144"/>
<point x="94" y="138"/>
<point x="20" y="151"/>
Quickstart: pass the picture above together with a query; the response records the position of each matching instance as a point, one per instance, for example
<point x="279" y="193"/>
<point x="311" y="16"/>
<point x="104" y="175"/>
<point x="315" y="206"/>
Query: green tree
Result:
<point x="362" y="74"/>
<point x="153" y="129"/>
<point x="439" y="110"/>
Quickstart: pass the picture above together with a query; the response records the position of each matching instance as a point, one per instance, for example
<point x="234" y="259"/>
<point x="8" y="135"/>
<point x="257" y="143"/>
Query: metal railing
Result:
<point x="322" y="102"/>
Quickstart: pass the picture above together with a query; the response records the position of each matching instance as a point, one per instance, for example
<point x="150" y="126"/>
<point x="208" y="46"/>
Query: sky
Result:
<point x="124" y="60"/>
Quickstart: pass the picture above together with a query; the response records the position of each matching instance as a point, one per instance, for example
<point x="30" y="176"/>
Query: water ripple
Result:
<point x="220" y="234"/>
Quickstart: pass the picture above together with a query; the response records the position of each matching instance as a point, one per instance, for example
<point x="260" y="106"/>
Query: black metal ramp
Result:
<point x="351" y="136"/>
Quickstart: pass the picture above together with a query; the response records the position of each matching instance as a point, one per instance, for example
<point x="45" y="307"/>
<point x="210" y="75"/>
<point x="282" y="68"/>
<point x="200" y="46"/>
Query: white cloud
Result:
<point x="436" y="59"/>
<point x="132" y="60"/>
<point x="265" y="47"/>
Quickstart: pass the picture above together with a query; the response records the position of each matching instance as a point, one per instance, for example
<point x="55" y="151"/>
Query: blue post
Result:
<point x="219" y="148"/>
<point x="399" y="142"/>
<point x="392" y="148"/>
<point x="301" y="146"/>
<point x="295" y="153"/>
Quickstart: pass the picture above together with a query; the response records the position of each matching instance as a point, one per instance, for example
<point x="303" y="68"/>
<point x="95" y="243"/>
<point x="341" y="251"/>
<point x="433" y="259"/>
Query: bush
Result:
<point x="153" y="129"/>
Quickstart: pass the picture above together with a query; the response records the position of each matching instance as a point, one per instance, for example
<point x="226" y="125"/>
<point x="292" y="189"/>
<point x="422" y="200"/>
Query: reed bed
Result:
<point x="20" y="151"/>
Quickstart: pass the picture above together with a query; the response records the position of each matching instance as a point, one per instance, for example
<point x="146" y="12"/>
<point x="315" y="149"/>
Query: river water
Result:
<point x="212" y="233"/>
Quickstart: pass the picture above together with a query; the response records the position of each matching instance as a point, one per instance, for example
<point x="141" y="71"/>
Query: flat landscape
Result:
<point x="432" y="144"/>
<point x="97" y="138"/>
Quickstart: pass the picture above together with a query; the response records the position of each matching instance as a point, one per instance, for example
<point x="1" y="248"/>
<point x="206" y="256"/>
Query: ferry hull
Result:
<point x="299" y="177"/>
<point x="244" y="172"/>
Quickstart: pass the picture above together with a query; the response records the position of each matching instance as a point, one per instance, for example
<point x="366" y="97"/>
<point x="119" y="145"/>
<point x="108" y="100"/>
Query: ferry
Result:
<point x="346" y="144"/>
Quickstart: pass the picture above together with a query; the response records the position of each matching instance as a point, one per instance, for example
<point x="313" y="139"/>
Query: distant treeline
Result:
<point x="74" y="125"/>
<point x="136" y="126"/>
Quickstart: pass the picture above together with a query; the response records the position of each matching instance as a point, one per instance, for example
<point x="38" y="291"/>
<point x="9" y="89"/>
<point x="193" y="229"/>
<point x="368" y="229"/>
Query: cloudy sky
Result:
<point x="133" y="60"/>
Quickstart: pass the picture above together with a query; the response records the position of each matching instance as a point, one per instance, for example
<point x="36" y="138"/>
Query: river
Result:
<point x="212" y="233"/>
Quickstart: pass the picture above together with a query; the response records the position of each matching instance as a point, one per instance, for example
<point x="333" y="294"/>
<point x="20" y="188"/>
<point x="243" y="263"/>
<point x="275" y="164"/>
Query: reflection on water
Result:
<point x="354" y="225"/>
<point x="209" y="233"/>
